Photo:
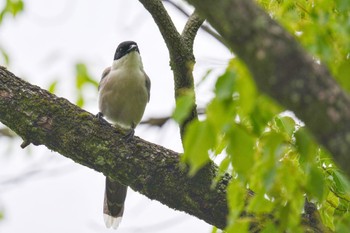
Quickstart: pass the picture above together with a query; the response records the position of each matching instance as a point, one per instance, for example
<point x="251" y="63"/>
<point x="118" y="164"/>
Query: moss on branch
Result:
<point x="42" y="118"/>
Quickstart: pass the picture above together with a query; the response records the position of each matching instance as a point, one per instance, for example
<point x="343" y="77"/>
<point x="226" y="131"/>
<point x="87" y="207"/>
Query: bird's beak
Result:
<point x="132" y="48"/>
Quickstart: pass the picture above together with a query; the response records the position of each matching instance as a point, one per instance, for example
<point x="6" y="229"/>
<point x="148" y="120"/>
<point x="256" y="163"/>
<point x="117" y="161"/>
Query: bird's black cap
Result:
<point x="125" y="48"/>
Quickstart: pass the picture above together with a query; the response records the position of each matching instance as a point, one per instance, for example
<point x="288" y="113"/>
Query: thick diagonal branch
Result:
<point x="42" y="118"/>
<point x="283" y="70"/>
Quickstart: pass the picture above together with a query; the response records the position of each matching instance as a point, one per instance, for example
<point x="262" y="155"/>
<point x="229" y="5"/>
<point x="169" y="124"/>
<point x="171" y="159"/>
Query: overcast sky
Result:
<point x="42" y="191"/>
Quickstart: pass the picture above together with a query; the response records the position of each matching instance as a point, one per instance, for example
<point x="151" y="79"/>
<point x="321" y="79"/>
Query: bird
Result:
<point x="123" y="93"/>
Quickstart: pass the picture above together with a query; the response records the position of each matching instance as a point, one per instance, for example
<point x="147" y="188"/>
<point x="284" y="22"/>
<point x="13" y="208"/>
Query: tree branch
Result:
<point x="42" y="118"/>
<point x="191" y="28"/>
<point x="283" y="70"/>
<point x="203" y="26"/>
<point x="181" y="55"/>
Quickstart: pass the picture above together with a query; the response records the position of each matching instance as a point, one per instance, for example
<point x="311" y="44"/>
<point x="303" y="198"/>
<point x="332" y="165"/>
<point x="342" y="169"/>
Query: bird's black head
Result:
<point x="125" y="48"/>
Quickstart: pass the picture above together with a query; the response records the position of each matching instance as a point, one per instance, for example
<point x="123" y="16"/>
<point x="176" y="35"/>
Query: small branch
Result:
<point x="164" y="23"/>
<point x="312" y="219"/>
<point x="156" y="121"/>
<point x="190" y="30"/>
<point x="181" y="56"/>
<point x="160" y="121"/>
<point x="205" y="28"/>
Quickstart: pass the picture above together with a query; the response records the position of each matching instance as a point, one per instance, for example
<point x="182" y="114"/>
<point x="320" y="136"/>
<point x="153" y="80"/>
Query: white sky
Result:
<point x="53" y="193"/>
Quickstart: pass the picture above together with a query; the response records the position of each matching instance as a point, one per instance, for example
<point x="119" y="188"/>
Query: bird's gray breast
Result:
<point x="123" y="96"/>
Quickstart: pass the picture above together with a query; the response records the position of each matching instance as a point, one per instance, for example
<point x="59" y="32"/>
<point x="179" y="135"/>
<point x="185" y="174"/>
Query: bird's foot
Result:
<point x="99" y="115"/>
<point x="129" y="135"/>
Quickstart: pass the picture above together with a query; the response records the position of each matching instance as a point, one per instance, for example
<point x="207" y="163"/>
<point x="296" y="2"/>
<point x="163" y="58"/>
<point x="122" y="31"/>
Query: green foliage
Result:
<point x="82" y="78"/>
<point x="184" y="105"/>
<point x="323" y="28"/>
<point x="5" y="57"/>
<point x="197" y="143"/>
<point x="236" y="196"/>
<point x="12" y="7"/>
<point x="269" y="151"/>
<point x="343" y="224"/>
<point x="265" y="148"/>
<point x="240" y="142"/>
<point x="52" y="87"/>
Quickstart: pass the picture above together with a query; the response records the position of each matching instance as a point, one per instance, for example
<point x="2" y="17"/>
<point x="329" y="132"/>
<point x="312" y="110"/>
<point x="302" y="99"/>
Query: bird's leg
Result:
<point x="130" y="134"/>
<point x="100" y="116"/>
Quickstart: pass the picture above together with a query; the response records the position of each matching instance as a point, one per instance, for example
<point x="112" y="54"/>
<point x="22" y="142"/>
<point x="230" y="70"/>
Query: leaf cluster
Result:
<point x="322" y="27"/>
<point x="268" y="150"/>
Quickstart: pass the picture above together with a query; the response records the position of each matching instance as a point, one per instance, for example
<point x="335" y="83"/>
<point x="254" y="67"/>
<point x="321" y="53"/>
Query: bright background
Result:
<point x="42" y="191"/>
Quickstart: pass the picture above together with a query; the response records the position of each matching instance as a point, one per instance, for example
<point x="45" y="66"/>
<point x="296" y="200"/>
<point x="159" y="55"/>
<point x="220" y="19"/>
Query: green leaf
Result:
<point x="247" y="94"/>
<point x="214" y="230"/>
<point x="5" y="56"/>
<point x="80" y="101"/>
<point x="184" y="105"/>
<point x="198" y="140"/>
<point x="342" y="5"/>
<point x="273" y="148"/>
<point x="12" y="7"/>
<point x="265" y="110"/>
<point x="83" y="77"/>
<point x="225" y="85"/>
<point x="16" y="6"/>
<point x="245" y="87"/>
<point x="270" y="228"/>
<point x="241" y="149"/>
<point x="220" y="115"/>
<point x="259" y="204"/>
<point x="52" y="87"/>
<point x="284" y="216"/>
<point x="343" y="224"/>
<point x="343" y="73"/>
<point x="240" y="225"/>
<point x="327" y="210"/>
<point x="236" y="194"/>
<point x="341" y="184"/>
<point x="316" y="183"/>
<point x="305" y="146"/>
<point x="223" y="167"/>
<point x="286" y="124"/>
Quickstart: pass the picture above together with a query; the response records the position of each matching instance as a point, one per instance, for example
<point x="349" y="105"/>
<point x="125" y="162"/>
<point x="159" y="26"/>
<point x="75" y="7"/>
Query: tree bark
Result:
<point x="42" y="118"/>
<point x="180" y="47"/>
<point x="284" y="71"/>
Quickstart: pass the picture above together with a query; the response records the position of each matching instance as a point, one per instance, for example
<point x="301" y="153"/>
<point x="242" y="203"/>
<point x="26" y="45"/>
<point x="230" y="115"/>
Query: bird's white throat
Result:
<point x="130" y="61"/>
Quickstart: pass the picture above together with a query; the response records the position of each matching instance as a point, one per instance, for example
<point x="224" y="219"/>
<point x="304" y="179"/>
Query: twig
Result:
<point x="205" y="28"/>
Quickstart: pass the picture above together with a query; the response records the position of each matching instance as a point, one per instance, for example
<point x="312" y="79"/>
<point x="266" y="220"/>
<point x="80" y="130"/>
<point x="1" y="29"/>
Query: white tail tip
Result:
<point x="111" y="222"/>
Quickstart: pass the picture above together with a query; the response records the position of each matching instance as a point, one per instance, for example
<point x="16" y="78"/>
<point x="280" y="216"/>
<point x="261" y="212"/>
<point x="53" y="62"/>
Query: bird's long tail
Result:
<point x="113" y="207"/>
